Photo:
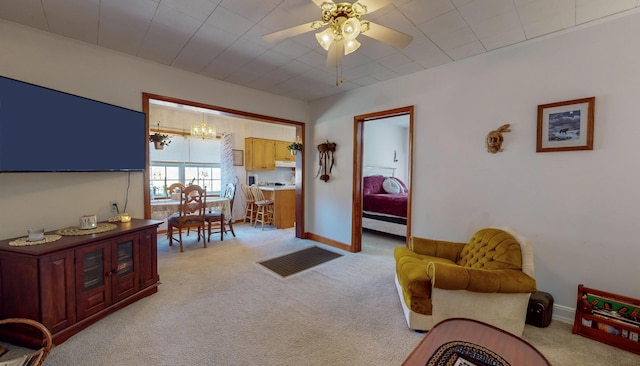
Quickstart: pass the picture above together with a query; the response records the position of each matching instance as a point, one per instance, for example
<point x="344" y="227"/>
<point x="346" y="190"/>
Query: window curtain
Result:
<point x="227" y="171"/>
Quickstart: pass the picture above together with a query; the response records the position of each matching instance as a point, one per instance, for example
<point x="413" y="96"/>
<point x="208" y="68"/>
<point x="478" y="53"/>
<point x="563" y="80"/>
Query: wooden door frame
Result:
<point x="300" y="131"/>
<point x="358" y="155"/>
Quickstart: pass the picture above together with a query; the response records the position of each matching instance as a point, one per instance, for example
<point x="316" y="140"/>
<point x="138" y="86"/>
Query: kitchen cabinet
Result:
<point x="73" y="282"/>
<point x="260" y="154"/>
<point x="284" y="205"/>
<point x="282" y="152"/>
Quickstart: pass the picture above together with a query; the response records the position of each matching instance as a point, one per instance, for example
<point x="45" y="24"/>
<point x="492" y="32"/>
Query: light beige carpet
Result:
<point x="217" y="306"/>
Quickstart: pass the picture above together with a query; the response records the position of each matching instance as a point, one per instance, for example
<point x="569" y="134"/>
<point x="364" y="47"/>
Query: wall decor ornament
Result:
<point x="566" y="126"/>
<point x="494" y="139"/>
<point x="326" y="151"/>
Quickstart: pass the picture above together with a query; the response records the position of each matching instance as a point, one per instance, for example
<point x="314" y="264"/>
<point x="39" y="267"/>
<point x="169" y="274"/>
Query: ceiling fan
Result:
<point x="343" y="26"/>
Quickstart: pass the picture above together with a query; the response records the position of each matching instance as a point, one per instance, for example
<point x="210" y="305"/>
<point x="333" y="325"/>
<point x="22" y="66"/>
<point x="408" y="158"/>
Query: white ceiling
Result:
<point x="222" y="39"/>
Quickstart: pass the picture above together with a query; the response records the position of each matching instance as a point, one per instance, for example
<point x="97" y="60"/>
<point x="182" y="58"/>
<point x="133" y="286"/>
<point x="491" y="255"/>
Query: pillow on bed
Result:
<point x="391" y="186"/>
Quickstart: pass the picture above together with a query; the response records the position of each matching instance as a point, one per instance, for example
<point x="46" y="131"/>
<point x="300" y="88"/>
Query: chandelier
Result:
<point x="343" y="27"/>
<point x="203" y="130"/>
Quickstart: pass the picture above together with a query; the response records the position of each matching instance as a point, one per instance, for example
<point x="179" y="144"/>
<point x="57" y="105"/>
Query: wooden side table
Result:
<point x="514" y="350"/>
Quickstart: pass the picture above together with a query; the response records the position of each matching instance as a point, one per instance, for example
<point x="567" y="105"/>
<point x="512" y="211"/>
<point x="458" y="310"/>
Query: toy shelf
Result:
<point x="608" y="318"/>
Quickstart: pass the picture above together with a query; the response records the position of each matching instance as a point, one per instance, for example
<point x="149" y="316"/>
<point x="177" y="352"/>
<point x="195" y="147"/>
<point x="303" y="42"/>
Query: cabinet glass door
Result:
<point x="92" y="278"/>
<point x="125" y="258"/>
<point x="126" y="278"/>
<point x="93" y="269"/>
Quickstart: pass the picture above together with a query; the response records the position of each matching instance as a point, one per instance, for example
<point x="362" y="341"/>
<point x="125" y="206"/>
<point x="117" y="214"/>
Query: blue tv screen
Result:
<point x="45" y="130"/>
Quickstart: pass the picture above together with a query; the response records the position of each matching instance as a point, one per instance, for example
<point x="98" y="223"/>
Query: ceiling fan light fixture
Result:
<point x="325" y="38"/>
<point x="350" y="46"/>
<point x="350" y="28"/>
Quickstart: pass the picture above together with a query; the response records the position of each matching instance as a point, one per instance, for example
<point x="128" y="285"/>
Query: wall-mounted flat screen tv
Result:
<point x="45" y="130"/>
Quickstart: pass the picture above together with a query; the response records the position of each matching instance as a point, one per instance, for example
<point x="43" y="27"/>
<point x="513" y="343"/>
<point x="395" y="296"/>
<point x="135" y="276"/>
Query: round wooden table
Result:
<point x="514" y="350"/>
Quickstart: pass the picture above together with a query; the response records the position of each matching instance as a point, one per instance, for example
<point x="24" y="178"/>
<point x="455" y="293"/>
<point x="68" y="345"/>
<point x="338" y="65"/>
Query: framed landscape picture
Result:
<point x="565" y="126"/>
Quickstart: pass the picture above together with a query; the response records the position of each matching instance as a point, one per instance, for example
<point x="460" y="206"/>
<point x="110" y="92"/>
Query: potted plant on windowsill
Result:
<point x="295" y="147"/>
<point x="159" y="140"/>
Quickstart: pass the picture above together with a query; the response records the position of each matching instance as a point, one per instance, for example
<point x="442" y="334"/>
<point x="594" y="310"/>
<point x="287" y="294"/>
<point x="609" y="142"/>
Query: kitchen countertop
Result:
<point x="277" y="188"/>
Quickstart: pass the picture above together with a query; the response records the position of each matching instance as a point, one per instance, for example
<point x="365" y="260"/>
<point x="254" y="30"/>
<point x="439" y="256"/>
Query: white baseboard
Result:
<point x="563" y="313"/>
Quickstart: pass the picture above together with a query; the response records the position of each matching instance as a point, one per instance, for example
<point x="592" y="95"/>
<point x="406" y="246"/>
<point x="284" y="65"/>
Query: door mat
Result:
<point x="295" y="262"/>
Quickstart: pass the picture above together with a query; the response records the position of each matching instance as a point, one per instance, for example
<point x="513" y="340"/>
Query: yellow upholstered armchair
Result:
<point x="490" y="279"/>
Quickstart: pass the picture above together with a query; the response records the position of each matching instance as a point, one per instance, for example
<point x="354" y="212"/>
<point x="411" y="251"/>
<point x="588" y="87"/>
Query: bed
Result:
<point x="384" y="201"/>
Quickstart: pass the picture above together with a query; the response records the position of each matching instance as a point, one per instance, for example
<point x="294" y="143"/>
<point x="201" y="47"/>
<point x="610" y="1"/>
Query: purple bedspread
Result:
<point x="390" y="204"/>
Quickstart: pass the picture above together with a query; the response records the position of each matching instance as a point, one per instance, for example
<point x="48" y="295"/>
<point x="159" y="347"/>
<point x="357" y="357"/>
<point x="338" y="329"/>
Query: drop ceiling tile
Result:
<point x="204" y="46"/>
<point x="541" y="17"/>
<point x="27" y="12"/>
<point x="468" y="50"/>
<point x="136" y="14"/>
<point x="83" y="25"/>
<point x="454" y="39"/>
<point x="408" y="68"/>
<point x="197" y="9"/>
<point x="314" y="58"/>
<point x="477" y="11"/>
<point x="229" y="21"/>
<point x="114" y="36"/>
<point x="291" y="48"/>
<point x="394" y="60"/>
<point x="588" y="10"/>
<point x="250" y="9"/>
<point x="422" y="11"/>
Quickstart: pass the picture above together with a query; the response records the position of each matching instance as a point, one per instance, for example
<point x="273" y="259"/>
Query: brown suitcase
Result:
<point x="540" y="309"/>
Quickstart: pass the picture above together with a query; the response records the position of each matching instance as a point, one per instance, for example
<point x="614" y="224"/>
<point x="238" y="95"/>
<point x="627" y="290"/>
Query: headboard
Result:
<point x="379" y="170"/>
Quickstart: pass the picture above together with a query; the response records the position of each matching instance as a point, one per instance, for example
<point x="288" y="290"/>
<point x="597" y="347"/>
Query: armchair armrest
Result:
<point x="454" y="277"/>
<point x="436" y="248"/>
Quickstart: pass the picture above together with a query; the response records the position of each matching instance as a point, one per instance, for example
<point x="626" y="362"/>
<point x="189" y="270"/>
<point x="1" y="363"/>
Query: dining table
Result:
<point x="163" y="208"/>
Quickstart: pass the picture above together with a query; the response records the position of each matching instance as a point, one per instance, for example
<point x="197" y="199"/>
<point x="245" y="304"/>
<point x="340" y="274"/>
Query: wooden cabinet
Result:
<point x="282" y="152"/>
<point x="260" y="154"/>
<point x="284" y="206"/>
<point x="75" y="281"/>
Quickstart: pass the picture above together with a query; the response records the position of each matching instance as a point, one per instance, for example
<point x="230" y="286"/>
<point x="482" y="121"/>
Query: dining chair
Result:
<point x="174" y="188"/>
<point x="264" y="213"/>
<point x="218" y="217"/>
<point x="192" y="203"/>
<point x="250" y="206"/>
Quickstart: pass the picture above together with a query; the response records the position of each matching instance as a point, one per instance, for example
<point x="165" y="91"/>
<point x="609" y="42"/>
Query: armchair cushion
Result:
<point x="454" y="277"/>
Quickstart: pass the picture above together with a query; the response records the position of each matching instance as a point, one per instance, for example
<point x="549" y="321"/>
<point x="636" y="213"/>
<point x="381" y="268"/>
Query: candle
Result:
<point x="125" y="217"/>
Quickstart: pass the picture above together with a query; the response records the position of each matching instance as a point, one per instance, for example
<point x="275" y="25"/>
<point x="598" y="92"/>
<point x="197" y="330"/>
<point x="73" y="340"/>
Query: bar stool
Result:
<point x="250" y="208"/>
<point x="264" y="214"/>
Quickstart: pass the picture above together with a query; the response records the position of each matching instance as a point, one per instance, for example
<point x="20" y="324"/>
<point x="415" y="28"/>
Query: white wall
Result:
<point x="579" y="208"/>
<point x="56" y="200"/>
<point x="384" y="140"/>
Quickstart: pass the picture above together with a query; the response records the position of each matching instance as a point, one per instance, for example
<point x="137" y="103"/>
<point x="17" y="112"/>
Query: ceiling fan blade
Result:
<point x="373" y="5"/>
<point x="387" y="35"/>
<point x="334" y="56"/>
<point x="286" y="33"/>
<point x="319" y="2"/>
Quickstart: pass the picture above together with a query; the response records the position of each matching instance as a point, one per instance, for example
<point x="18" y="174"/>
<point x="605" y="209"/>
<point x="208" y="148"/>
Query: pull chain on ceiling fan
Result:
<point x="343" y="27"/>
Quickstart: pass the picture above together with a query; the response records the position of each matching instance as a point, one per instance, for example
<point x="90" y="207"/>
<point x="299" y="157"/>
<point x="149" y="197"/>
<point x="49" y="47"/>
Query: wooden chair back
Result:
<point x="257" y="194"/>
<point x="192" y="202"/>
<point x="173" y="187"/>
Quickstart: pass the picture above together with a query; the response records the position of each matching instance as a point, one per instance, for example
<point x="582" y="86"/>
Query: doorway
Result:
<point x="359" y="169"/>
<point x="299" y="164"/>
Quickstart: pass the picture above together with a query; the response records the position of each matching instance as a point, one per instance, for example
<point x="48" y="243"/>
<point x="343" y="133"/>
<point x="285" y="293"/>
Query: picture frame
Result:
<point x="566" y="126"/>
<point x="238" y="157"/>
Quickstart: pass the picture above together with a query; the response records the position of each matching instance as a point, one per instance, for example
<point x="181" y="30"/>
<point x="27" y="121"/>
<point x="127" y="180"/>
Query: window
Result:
<point x="186" y="161"/>
<point x="162" y="175"/>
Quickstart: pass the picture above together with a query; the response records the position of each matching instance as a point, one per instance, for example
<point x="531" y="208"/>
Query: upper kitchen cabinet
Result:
<point x="260" y="154"/>
<point x="282" y="152"/>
